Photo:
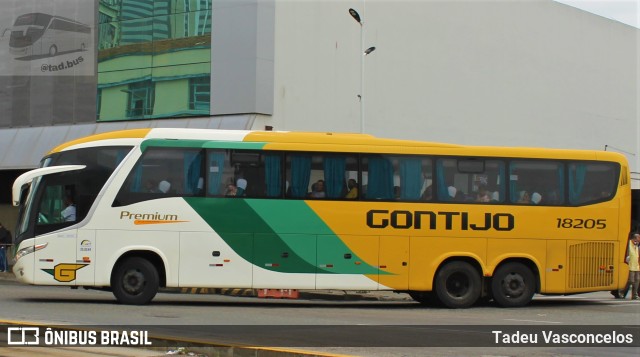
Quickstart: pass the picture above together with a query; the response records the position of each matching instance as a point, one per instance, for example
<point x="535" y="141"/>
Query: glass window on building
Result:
<point x="162" y="51"/>
<point x="200" y="93"/>
<point x="140" y="100"/>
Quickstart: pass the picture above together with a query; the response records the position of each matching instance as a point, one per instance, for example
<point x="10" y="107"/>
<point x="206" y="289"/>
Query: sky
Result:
<point x="625" y="11"/>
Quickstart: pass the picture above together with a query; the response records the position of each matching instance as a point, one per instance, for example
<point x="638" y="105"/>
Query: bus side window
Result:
<point x="162" y="172"/>
<point x="414" y="176"/>
<point x="218" y="172"/>
<point x="378" y="173"/>
<point x="591" y="182"/>
<point x="544" y="178"/>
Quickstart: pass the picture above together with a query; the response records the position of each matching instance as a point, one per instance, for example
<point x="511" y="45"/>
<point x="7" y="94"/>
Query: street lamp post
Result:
<point x="363" y="53"/>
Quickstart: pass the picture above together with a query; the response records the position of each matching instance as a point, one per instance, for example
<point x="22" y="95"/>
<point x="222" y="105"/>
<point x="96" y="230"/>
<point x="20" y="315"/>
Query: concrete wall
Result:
<point x="526" y="73"/>
<point x="242" y="50"/>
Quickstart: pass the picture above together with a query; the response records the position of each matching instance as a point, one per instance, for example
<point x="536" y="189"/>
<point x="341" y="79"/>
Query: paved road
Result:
<point x="177" y="314"/>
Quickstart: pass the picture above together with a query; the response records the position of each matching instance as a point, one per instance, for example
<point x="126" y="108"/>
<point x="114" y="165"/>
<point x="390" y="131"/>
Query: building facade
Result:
<point x="526" y="73"/>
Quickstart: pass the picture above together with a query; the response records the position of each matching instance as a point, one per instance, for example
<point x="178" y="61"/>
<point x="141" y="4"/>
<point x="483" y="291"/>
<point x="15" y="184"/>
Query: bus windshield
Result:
<point x="61" y="199"/>
<point x="28" y="29"/>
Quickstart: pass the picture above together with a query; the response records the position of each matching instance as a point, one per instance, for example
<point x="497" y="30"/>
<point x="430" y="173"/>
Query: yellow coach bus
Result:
<point x="133" y="211"/>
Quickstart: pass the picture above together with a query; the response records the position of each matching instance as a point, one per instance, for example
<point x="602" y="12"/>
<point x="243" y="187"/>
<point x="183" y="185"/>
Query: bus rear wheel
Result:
<point x="458" y="285"/>
<point x="135" y="281"/>
<point x="513" y="285"/>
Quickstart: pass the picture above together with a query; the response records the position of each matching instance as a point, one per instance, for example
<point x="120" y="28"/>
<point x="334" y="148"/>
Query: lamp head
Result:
<point x="355" y="15"/>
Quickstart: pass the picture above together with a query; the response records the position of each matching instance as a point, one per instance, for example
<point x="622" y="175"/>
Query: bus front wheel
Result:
<point x="513" y="285"/>
<point x="458" y="285"/>
<point x="135" y="281"/>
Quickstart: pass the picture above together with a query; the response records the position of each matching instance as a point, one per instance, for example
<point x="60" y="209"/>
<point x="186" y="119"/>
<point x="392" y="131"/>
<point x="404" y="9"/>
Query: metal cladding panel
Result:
<point x="201" y="123"/>
<point x="235" y="123"/>
<point x="47" y="139"/>
<point x="78" y="131"/>
<point x="25" y="143"/>
<point x="6" y="143"/>
<point x="22" y="148"/>
<point x="215" y="123"/>
<point x="171" y="123"/>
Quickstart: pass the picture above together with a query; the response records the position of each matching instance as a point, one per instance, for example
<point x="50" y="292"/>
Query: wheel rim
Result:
<point x="513" y="285"/>
<point x="458" y="285"/>
<point x="133" y="282"/>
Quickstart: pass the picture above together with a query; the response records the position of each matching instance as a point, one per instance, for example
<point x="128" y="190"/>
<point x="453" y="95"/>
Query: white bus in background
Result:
<point x="35" y="34"/>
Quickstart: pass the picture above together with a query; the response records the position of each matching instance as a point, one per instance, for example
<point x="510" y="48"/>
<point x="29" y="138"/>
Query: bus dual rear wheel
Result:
<point x="135" y="281"/>
<point x="458" y="285"/>
<point x="513" y="285"/>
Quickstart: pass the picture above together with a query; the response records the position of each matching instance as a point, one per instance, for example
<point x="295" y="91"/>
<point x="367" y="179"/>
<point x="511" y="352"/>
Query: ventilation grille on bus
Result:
<point x="590" y="265"/>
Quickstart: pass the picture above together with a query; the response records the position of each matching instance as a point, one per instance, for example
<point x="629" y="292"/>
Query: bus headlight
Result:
<point x="30" y="249"/>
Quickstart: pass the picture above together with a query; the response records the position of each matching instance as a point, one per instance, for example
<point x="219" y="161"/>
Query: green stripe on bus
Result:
<point x="283" y="235"/>
<point x="288" y="216"/>
<point x="201" y="144"/>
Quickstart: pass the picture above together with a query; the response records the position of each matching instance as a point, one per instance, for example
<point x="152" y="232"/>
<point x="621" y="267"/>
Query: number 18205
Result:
<point x="579" y="223"/>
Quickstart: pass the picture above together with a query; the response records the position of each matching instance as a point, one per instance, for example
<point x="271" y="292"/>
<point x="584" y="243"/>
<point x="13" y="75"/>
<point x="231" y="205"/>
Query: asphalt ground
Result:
<point x="334" y="295"/>
<point x="212" y="350"/>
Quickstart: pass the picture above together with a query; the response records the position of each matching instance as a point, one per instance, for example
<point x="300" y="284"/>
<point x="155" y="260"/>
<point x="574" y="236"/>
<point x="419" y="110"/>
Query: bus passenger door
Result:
<point x="284" y="261"/>
<point x="347" y="262"/>
<point x="556" y="267"/>
<point x="394" y="263"/>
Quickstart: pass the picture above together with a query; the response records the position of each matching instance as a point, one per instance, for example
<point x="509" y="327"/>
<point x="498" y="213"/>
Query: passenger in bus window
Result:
<point x="452" y="191"/>
<point x="456" y="195"/>
<point x="536" y="198"/>
<point x="396" y="192"/>
<point x="317" y="190"/>
<point x="150" y="186"/>
<point x="69" y="212"/>
<point x="352" y="185"/>
<point x="164" y="186"/>
<point x="231" y="191"/>
<point x="483" y="195"/>
<point x="428" y="193"/>
<point x="241" y="187"/>
<point x="524" y="197"/>
<point x="495" y="197"/>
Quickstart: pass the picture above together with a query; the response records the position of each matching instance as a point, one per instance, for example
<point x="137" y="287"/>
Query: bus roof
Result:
<point x="334" y="142"/>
